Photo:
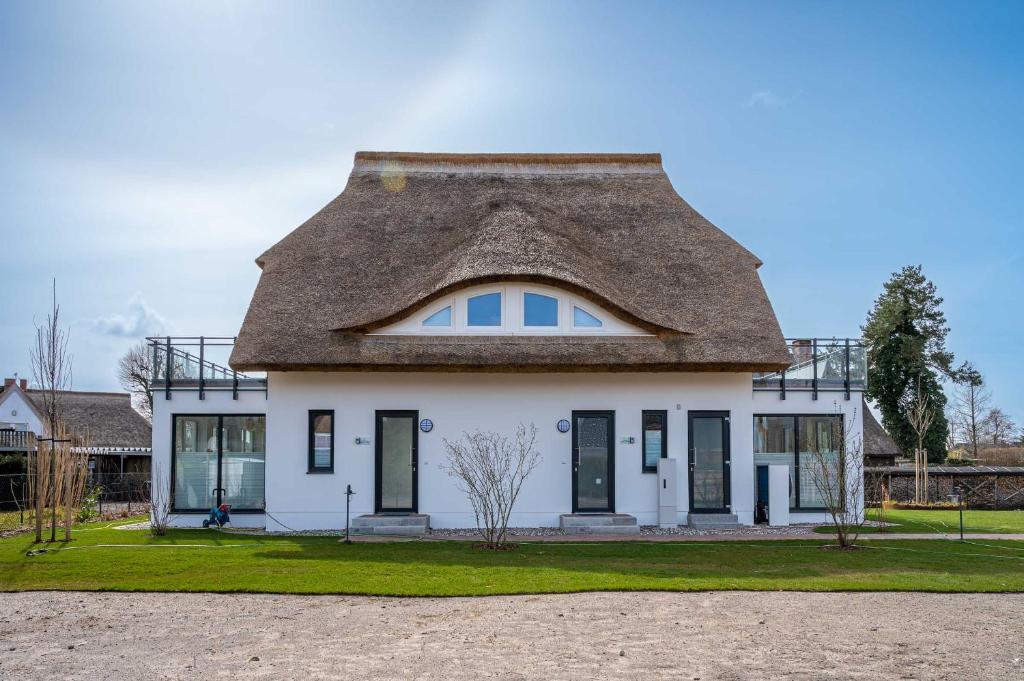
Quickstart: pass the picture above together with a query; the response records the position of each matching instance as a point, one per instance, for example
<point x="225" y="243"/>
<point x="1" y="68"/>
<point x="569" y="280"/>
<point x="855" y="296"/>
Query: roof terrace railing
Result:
<point x="186" y="363"/>
<point x="819" y="365"/>
<point x="17" y="441"/>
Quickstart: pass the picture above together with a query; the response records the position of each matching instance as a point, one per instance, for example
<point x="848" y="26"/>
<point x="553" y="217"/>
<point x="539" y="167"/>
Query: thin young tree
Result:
<point x="51" y="369"/>
<point x="491" y="469"/>
<point x="837" y="472"/>
<point x="971" y="400"/>
<point x="919" y="413"/>
<point x="134" y="371"/>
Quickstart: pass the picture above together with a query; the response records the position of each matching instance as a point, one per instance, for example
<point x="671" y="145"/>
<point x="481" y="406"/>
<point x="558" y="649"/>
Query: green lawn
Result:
<point x="207" y="560"/>
<point x="922" y="522"/>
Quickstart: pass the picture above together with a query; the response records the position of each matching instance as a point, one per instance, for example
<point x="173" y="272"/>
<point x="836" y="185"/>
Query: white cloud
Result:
<point x="766" y="99"/>
<point x="140" y="320"/>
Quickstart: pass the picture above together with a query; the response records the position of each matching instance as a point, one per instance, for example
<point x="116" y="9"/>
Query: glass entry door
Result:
<point x="593" y="462"/>
<point x="396" y="453"/>
<point x="709" y="461"/>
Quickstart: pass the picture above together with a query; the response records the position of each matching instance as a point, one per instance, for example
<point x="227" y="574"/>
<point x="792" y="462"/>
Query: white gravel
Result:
<point x="641" y="636"/>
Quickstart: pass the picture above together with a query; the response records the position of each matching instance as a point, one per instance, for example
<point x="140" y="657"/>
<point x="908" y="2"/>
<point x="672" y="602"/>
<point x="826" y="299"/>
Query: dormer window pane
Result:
<point x="484" y="310"/>
<point x="582" y="318"/>
<point x="539" y="310"/>
<point x="440" y="318"/>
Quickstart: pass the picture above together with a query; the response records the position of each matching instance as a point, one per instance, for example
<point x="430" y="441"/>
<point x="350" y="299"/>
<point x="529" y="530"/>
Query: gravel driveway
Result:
<point x="645" y="636"/>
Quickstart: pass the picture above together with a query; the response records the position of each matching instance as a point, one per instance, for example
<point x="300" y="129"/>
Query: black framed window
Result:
<point x="799" y="441"/>
<point x="218" y="459"/>
<point x="321" y="441"/>
<point x="654" y="441"/>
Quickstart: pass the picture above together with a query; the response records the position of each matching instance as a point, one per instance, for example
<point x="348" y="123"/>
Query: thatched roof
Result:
<point x="411" y="227"/>
<point x="108" y="419"/>
<point x="876" y="442"/>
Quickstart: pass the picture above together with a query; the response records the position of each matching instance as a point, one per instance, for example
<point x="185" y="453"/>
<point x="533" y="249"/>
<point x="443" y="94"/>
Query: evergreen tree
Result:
<point x="906" y="338"/>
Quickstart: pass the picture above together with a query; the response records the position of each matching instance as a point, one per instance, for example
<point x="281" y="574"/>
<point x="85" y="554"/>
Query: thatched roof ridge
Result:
<point x="107" y="419"/>
<point x="411" y="227"/>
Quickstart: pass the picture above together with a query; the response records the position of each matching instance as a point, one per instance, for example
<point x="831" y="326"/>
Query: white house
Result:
<point x="444" y="293"/>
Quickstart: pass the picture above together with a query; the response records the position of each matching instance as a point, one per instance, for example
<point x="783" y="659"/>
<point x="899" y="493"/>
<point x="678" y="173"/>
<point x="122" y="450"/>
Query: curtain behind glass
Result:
<point x="243" y="460"/>
<point x="819" y="443"/>
<point x="195" y="462"/>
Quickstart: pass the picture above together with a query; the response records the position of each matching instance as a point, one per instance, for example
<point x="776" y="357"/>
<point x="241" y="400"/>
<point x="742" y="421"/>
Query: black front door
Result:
<point x="397" y="445"/>
<point x="593" y="462"/>
<point x="709" y="461"/>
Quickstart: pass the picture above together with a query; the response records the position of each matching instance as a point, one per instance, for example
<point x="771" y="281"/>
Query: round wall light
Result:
<point x="426" y="425"/>
<point x="563" y="426"/>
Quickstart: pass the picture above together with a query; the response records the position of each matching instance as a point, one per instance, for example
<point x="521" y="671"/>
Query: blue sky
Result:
<point x="150" y="151"/>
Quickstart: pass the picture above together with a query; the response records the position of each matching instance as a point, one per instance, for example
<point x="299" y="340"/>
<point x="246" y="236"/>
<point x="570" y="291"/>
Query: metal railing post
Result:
<point x="202" y="355"/>
<point x="846" y="381"/>
<point x="814" y="366"/>
<point x="168" y="370"/>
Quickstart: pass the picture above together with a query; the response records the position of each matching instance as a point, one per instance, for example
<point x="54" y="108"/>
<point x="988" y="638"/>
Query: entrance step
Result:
<point x="392" y="523"/>
<point x="712" y="521"/>
<point x="598" y="523"/>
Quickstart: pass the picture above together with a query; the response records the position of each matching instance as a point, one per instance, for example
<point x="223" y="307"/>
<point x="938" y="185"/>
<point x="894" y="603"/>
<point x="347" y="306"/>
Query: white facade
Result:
<point x="459" y="402"/>
<point x="18" y="413"/>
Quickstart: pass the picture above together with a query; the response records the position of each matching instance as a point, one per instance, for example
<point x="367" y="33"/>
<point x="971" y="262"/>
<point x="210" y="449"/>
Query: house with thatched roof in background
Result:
<point x="879" y="447"/>
<point x="442" y="294"/>
<point x="117" y="437"/>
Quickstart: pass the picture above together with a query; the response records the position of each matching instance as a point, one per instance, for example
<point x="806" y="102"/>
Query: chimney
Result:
<point x="8" y="382"/>
<point x="23" y="383"/>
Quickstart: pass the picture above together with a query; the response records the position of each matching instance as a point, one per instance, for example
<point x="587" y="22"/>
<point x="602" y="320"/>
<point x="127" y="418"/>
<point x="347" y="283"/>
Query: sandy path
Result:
<point x="580" y="636"/>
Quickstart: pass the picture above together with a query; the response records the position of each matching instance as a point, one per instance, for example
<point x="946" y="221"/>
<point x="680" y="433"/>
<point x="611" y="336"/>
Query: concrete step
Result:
<point x="598" y="523"/>
<point x="387" y="523"/>
<point x="712" y="521"/>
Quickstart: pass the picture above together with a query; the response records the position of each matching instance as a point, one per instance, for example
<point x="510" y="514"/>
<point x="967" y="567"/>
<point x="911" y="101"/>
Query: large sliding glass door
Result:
<point x="219" y="459"/>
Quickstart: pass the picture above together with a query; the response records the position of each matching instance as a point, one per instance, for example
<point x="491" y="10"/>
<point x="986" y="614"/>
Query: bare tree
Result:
<point x="837" y="471"/>
<point x="999" y="428"/>
<point x="135" y="370"/>
<point x="491" y="470"/>
<point x="51" y="366"/>
<point x="970" y="401"/>
<point x="51" y="369"/>
<point x="919" y="412"/>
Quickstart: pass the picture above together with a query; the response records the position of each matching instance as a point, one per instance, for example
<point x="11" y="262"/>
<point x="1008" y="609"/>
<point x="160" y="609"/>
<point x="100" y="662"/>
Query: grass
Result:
<point x="100" y="558"/>
<point x="925" y="522"/>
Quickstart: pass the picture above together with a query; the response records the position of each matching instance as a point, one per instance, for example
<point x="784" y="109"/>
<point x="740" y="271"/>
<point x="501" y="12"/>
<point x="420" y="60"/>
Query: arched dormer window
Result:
<point x="512" y="309"/>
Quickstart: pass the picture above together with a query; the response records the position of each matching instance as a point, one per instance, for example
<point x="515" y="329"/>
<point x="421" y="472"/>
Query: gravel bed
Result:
<point x="746" y="636"/>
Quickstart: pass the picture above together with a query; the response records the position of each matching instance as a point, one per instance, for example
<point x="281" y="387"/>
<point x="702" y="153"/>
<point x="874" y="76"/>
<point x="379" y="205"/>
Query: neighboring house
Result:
<point x="118" y="438"/>
<point x="444" y="293"/>
<point x="879" y="447"/>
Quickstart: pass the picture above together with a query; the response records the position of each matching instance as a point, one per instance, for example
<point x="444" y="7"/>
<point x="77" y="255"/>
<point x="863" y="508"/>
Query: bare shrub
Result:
<point x="837" y="472"/>
<point x="159" y="502"/>
<point x="491" y="470"/>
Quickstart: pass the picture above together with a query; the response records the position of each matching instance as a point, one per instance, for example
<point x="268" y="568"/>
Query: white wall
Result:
<point x="16" y="409"/>
<point x="466" y="401"/>
<point x="459" y="402"/>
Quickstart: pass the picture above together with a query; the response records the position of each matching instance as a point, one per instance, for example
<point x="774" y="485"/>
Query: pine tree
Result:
<point x="906" y="338"/>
